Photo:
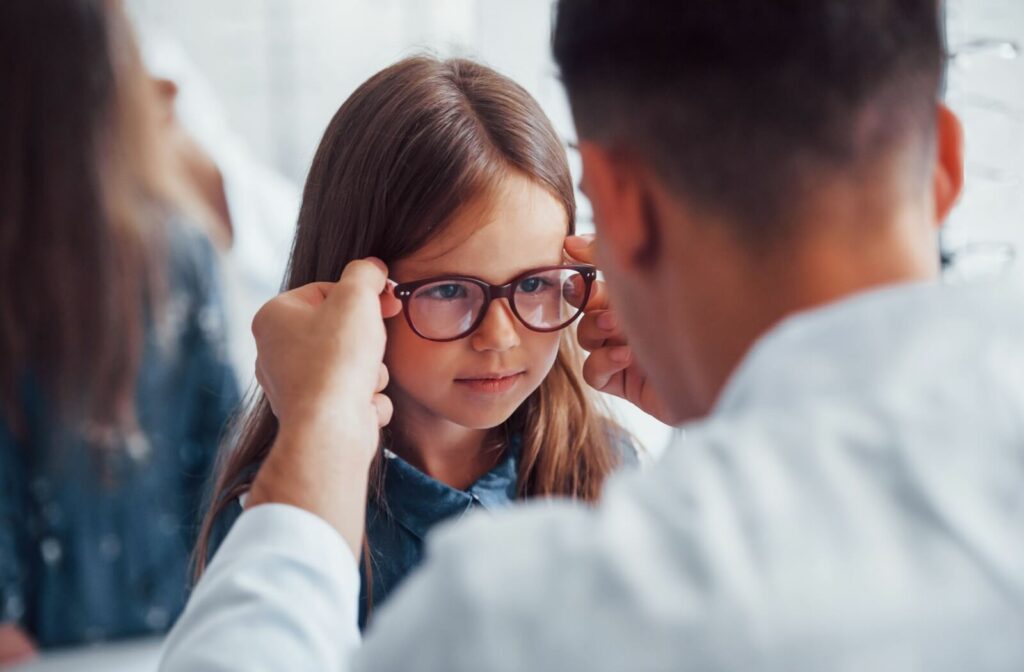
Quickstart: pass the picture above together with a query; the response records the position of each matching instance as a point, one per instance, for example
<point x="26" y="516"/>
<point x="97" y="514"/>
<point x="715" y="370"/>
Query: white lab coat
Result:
<point x="854" y="502"/>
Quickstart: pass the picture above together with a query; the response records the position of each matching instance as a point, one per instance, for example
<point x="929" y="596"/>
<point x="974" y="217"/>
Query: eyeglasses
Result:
<point x="451" y="307"/>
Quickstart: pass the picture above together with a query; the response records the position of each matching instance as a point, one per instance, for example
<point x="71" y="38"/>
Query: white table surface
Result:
<point x="141" y="655"/>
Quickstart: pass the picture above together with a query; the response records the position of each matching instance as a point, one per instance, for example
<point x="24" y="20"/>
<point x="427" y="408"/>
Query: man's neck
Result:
<point x="848" y="253"/>
<point x="855" y="257"/>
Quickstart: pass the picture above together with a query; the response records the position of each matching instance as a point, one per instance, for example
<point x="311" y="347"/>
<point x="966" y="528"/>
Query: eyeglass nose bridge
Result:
<point x="494" y="292"/>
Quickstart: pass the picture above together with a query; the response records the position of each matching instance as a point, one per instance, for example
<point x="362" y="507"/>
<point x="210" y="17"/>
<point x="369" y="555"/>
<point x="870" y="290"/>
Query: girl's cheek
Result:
<point x="414" y="362"/>
<point x="544" y="351"/>
<point x="401" y="347"/>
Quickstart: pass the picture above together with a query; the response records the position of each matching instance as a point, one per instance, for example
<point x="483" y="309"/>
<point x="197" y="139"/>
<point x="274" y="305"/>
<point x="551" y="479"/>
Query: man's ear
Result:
<point x="948" y="178"/>
<point x="623" y="212"/>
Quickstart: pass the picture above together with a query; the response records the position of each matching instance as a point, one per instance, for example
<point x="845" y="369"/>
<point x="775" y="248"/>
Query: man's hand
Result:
<point x="320" y="364"/>
<point x="611" y="367"/>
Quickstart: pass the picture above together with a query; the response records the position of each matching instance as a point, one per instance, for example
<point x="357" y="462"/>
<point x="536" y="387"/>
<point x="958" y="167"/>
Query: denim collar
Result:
<point x="418" y="502"/>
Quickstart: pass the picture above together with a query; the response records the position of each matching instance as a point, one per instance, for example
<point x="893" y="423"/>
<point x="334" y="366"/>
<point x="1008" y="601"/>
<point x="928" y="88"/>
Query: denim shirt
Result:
<point x="95" y="542"/>
<point x="416" y="503"/>
<point x="413" y="504"/>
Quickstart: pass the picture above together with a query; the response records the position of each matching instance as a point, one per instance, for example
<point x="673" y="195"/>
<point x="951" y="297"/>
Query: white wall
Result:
<point x="986" y="88"/>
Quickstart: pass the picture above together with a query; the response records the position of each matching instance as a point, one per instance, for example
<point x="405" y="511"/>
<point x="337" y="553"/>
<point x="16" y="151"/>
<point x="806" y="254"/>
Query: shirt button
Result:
<point x="157" y="618"/>
<point x="137" y="446"/>
<point x="51" y="551"/>
<point x="14" y="608"/>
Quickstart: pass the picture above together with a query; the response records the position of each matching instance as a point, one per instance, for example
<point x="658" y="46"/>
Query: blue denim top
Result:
<point x="413" y="504"/>
<point x="95" y="543"/>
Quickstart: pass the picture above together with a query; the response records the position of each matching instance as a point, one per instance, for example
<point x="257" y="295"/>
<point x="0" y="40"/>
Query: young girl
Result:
<point x="452" y="175"/>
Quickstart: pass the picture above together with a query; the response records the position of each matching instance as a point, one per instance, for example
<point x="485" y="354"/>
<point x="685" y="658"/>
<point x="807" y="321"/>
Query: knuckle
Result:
<point x="258" y="321"/>
<point x="265" y="317"/>
<point x="361" y="268"/>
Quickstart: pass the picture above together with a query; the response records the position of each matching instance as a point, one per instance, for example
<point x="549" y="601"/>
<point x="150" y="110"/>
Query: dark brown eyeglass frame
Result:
<point x="404" y="292"/>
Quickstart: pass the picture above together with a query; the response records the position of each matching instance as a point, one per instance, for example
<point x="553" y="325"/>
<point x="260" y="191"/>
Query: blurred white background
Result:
<point x="986" y="87"/>
<point x="280" y="68"/>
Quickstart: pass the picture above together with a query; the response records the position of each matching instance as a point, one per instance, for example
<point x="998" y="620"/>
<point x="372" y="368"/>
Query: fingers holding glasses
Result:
<point x="615" y="371"/>
<point x="605" y="368"/>
<point x="599" y="326"/>
<point x="610" y="367"/>
<point x="600" y="329"/>
<point x="381" y="402"/>
<point x="581" y="248"/>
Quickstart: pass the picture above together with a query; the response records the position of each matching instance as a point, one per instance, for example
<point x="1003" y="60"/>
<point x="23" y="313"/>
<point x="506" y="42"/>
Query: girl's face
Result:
<point x="477" y="382"/>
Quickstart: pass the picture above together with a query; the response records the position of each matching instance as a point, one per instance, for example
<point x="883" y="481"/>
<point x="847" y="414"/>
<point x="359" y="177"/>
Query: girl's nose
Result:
<point x="498" y="331"/>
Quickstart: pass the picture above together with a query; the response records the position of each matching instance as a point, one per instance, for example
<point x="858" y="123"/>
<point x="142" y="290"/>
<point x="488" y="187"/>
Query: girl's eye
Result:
<point x="446" y="292"/>
<point x="533" y="285"/>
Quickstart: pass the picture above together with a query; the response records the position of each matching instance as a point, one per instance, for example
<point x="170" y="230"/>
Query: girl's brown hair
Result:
<point x="76" y="259"/>
<point x="405" y="152"/>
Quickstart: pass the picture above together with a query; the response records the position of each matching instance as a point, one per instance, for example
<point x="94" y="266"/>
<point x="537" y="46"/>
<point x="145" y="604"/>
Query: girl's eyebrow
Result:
<point x="514" y="274"/>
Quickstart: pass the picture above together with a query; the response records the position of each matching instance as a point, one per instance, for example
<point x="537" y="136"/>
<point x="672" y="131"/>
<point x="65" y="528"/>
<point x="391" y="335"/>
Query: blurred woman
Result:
<point x="114" y="387"/>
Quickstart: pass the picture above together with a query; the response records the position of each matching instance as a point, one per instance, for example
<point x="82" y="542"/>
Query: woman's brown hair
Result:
<point x="76" y="260"/>
<point x="413" y="145"/>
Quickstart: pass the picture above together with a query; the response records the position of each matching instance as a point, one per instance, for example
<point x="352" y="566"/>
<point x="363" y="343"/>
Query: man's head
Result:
<point x="747" y="160"/>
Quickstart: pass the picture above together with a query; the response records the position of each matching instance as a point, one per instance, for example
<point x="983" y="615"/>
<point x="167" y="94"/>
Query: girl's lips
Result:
<point x="491" y="385"/>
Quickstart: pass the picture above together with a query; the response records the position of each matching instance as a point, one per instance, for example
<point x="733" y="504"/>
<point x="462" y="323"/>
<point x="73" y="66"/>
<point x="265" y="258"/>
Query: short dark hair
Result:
<point x="740" y="105"/>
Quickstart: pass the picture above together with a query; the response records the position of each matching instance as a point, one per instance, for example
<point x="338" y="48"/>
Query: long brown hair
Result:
<point x="76" y="261"/>
<point x="411" y="146"/>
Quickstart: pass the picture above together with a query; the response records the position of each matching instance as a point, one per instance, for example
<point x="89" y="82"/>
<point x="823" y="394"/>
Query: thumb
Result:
<point x="359" y="279"/>
<point x="581" y="248"/>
